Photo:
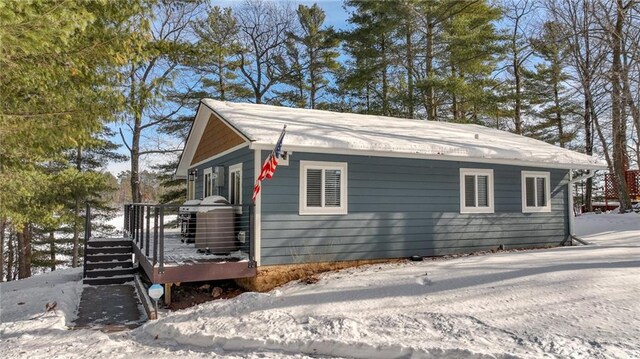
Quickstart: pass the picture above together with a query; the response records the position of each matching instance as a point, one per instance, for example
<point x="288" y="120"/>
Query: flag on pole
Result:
<point x="269" y="166"/>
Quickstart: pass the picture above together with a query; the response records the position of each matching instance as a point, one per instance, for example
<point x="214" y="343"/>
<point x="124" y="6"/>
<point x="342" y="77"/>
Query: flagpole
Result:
<point x="284" y="129"/>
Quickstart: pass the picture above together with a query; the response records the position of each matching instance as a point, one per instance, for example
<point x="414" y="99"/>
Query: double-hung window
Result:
<point x="323" y="187"/>
<point x="207" y="182"/>
<point x="536" y="194"/>
<point x="235" y="184"/>
<point x="476" y="190"/>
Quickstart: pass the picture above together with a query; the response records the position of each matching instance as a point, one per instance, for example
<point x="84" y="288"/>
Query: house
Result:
<point x="370" y="187"/>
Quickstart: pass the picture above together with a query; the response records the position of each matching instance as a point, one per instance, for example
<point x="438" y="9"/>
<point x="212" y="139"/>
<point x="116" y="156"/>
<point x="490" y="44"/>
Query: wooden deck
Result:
<point x="183" y="263"/>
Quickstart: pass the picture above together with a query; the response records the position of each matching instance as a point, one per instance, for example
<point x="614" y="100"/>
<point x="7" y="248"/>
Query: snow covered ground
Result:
<point x="571" y="302"/>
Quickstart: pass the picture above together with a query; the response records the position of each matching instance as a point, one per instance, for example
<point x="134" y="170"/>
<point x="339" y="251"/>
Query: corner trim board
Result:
<point x="257" y="238"/>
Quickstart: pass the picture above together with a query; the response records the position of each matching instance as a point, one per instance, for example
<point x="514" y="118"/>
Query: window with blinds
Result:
<point x="323" y="187"/>
<point x="536" y="196"/>
<point x="476" y="191"/>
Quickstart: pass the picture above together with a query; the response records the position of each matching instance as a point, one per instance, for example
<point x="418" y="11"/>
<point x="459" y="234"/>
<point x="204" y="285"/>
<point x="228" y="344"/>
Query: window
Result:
<point x="207" y="182"/>
<point x="476" y="191"/>
<point x="536" y="194"/>
<point x="235" y="184"/>
<point x="323" y="187"/>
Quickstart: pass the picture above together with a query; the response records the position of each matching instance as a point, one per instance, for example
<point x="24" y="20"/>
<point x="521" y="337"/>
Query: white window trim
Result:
<point x="207" y="171"/>
<point x="536" y="174"/>
<point x="232" y="169"/>
<point x="303" y="209"/>
<point x="475" y="172"/>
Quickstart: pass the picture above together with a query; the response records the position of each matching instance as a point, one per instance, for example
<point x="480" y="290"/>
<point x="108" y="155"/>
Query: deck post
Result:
<point x="155" y="235"/>
<point x="140" y="224"/>
<point x="136" y="218"/>
<point x="87" y="235"/>
<point x="161" y="238"/>
<point x="146" y="245"/>
<point x="125" y="226"/>
<point x="167" y="293"/>
<point x="252" y="249"/>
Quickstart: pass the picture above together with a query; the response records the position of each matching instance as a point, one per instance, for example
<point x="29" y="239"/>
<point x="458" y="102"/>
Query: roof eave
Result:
<point x="501" y="161"/>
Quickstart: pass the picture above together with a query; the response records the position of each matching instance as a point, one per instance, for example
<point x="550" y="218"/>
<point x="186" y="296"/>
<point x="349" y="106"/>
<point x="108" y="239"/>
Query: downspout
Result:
<point x="572" y="234"/>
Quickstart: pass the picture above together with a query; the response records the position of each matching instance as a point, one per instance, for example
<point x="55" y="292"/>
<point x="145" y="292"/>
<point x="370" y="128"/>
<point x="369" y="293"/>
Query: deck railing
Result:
<point x="218" y="231"/>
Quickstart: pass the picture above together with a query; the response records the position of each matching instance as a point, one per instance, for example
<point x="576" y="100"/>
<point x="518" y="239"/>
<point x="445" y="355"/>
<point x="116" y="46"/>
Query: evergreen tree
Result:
<point x="314" y="56"/>
<point x="553" y="100"/>
<point x="217" y="60"/>
<point x="371" y="47"/>
<point x="472" y="50"/>
<point x="60" y="63"/>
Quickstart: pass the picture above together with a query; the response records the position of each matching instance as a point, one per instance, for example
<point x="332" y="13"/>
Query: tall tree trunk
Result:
<point x="431" y="98"/>
<point x="515" y="64"/>
<point x="558" y="114"/>
<point x="76" y="215"/>
<point x="385" y="81"/>
<point x="136" y="194"/>
<point x="454" y="99"/>
<point x="517" y="111"/>
<point x="588" y="134"/>
<point x="24" y="253"/>
<point x="10" y="256"/>
<point x="3" y="226"/>
<point x="618" y="123"/>
<point x="313" y="86"/>
<point x="409" y="60"/>
<point x="221" y="86"/>
<point x="52" y="250"/>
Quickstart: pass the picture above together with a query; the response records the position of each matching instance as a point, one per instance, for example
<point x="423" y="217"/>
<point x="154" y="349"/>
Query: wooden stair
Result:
<point x="108" y="261"/>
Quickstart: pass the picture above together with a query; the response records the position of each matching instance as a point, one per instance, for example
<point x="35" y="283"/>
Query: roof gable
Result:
<point x="216" y="138"/>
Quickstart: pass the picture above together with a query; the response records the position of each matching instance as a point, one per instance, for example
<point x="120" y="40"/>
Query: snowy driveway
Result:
<point x="578" y="302"/>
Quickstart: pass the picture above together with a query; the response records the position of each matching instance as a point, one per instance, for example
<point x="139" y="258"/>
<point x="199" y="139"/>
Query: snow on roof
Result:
<point x="347" y="132"/>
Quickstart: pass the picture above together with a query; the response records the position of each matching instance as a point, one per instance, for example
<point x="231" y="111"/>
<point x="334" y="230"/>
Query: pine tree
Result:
<point x="553" y="102"/>
<point x="60" y="63"/>
<point x="217" y="60"/>
<point x="317" y="54"/>
<point x="371" y="45"/>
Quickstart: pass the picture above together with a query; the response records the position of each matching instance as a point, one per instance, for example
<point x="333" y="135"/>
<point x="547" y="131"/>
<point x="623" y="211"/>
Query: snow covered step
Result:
<point x="110" y="265"/>
<point x="109" y="272"/>
<point x="108" y="280"/>
<point x="118" y="257"/>
<point x="94" y="243"/>
<point x="108" y="250"/>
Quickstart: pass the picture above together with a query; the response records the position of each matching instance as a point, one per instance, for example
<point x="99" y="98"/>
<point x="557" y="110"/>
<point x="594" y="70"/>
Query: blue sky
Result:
<point x="336" y="16"/>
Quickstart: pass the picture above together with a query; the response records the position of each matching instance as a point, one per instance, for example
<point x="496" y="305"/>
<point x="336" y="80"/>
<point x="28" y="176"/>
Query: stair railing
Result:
<point x="87" y="236"/>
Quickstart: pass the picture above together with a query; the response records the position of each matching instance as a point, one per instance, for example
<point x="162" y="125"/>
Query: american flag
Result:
<point x="269" y="166"/>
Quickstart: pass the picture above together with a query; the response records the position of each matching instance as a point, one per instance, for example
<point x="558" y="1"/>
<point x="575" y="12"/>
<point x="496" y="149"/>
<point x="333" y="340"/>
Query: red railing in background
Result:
<point x="632" y="178"/>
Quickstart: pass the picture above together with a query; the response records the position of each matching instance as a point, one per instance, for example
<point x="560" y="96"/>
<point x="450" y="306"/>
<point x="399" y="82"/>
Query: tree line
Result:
<point x="78" y="76"/>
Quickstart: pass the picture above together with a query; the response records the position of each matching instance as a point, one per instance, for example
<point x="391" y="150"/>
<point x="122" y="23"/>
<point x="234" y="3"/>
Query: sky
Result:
<point x="336" y="16"/>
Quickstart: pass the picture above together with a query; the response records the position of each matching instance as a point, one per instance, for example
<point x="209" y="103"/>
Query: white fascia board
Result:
<point x="193" y="139"/>
<point x="347" y="151"/>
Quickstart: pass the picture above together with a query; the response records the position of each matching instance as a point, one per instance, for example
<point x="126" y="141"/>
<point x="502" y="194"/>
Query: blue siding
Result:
<point x="244" y="156"/>
<point x="403" y="207"/>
